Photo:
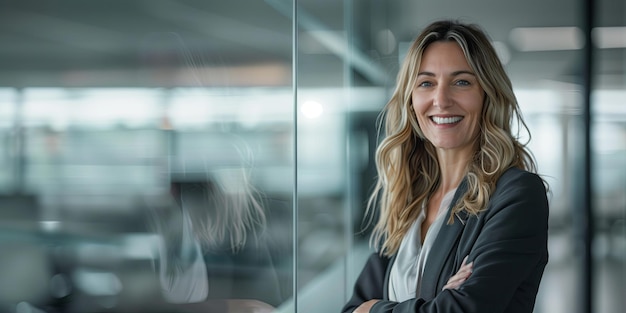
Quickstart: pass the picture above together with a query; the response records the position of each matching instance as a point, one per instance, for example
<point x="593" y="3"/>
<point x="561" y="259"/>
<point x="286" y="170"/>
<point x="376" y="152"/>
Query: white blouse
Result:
<point x="406" y="272"/>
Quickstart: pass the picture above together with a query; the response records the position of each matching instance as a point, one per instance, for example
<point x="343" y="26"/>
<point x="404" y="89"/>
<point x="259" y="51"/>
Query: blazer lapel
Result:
<point x="442" y="247"/>
<point x="387" y="275"/>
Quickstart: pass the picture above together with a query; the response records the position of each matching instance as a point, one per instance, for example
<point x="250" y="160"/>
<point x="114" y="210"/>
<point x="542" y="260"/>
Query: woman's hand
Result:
<point x="461" y="276"/>
<point x="365" y="306"/>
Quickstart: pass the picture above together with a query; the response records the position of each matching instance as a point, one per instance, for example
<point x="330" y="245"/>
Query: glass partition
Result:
<point x="148" y="160"/>
<point x="322" y="194"/>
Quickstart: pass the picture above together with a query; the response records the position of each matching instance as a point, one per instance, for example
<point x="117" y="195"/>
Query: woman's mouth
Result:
<point x="446" y="120"/>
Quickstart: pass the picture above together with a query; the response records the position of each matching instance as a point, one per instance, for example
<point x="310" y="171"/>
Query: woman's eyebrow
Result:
<point x="455" y="73"/>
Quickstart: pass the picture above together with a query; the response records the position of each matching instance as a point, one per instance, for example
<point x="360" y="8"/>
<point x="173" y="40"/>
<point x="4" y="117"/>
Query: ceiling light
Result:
<point x="609" y="37"/>
<point x="546" y="38"/>
<point x="312" y="109"/>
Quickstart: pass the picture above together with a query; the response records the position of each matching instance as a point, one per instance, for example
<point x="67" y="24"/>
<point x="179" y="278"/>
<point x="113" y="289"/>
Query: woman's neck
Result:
<point x="452" y="167"/>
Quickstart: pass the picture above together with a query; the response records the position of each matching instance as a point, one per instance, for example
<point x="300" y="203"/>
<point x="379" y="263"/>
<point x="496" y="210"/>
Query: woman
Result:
<point x="463" y="219"/>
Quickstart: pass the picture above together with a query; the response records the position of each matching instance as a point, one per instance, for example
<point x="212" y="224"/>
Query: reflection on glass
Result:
<point x="213" y="237"/>
<point x="202" y="202"/>
<point x="147" y="160"/>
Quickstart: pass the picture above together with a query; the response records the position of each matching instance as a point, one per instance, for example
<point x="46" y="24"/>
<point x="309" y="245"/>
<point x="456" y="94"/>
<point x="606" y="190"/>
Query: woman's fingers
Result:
<point x="365" y="306"/>
<point x="461" y="275"/>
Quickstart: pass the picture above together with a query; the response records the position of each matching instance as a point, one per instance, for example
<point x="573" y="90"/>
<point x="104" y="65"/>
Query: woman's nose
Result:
<point x="442" y="97"/>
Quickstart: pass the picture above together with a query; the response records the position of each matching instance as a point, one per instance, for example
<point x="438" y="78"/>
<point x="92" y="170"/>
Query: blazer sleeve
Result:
<point x="509" y="255"/>
<point x="369" y="284"/>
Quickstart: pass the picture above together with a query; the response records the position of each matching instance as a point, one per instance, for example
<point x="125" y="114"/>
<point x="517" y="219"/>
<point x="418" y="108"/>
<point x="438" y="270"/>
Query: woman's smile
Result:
<point x="446" y="120"/>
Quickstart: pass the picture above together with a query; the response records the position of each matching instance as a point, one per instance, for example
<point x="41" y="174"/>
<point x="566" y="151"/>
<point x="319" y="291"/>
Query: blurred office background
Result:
<point x="105" y="105"/>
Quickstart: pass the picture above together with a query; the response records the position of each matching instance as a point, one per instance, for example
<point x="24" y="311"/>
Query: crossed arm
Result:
<point x="453" y="283"/>
<point x="508" y="258"/>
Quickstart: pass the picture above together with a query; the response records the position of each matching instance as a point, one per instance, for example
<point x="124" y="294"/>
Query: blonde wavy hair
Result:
<point x="408" y="169"/>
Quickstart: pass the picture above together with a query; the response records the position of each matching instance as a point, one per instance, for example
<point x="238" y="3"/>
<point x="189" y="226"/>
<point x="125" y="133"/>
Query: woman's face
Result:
<point x="447" y="98"/>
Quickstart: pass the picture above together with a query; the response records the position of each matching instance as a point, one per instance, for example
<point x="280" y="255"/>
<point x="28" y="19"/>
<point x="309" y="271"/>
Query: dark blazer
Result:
<point x="507" y="243"/>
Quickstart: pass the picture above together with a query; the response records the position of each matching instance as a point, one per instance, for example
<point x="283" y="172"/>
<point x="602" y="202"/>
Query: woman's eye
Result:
<point x="462" y="82"/>
<point x="424" y="84"/>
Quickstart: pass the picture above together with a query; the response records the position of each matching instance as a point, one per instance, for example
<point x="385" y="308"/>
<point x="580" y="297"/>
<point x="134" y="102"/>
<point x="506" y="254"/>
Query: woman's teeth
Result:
<point x="446" y="120"/>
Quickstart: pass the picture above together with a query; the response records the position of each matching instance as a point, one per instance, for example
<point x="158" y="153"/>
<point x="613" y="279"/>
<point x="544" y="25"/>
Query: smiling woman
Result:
<point x="463" y="217"/>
